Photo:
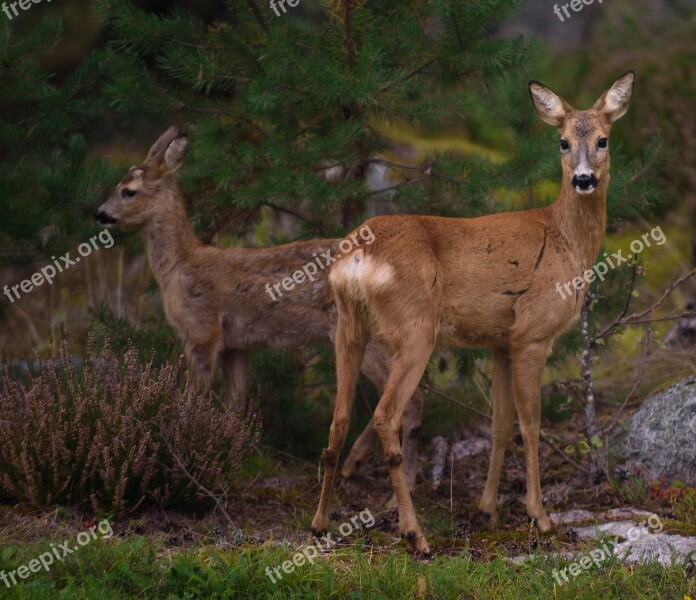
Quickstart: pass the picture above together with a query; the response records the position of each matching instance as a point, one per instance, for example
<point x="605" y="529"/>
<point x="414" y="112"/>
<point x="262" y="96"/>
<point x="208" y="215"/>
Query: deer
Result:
<point x="486" y="281"/>
<point x="217" y="299"/>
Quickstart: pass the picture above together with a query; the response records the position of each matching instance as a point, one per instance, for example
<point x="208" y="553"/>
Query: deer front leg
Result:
<point x="235" y="369"/>
<point x="503" y="396"/>
<point x="527" y="369"/>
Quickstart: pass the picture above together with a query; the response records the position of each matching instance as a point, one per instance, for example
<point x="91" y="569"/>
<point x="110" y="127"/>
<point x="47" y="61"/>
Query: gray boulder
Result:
<point x="660" y="440"/>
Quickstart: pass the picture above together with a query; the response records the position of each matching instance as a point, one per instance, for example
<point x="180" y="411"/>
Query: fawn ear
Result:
<point x="167" y="152"/>
<point x="549" y="106"/>
<point x="614" y="103"/>
<point x="174" y="154"/>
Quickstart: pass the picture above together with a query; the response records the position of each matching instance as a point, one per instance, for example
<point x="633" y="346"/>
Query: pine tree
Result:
<point x="275" y="99"/>
<point x="48" y="185"/>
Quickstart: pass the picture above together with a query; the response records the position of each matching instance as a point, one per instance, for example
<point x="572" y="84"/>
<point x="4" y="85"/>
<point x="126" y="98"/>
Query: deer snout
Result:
<point x="585" y="183"/>
<point x="104" y="219"/>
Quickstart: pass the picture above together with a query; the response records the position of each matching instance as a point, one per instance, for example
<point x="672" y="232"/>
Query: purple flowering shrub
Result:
<point x="116" y="434"/>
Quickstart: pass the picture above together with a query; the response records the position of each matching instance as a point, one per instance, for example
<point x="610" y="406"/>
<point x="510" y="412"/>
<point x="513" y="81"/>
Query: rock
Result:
<point x="661" y="435"/>
<point x="471" y="447"/>
<point x="642" y="542"/>
<point x="658" y="547"/>
<point x="571" y="516"/>
<point x="627" y="512"/>
<point x="622" y="529"/>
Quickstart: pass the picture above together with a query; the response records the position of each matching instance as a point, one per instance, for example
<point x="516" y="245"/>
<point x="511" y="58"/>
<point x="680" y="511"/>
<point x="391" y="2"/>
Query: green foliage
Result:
<point x="47" y="182"/>
<point x="155" y="339"/>
<point x="133" y="566"/>
<point x="294" y="393"/>
<point x="271" y="106"/>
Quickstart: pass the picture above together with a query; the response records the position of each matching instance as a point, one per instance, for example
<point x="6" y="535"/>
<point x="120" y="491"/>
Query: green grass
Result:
<point x="138" y="567"/>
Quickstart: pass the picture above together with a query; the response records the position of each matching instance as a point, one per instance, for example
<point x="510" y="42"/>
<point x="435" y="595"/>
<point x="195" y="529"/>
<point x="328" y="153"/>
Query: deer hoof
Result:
<point x="417" y="543"/>
<point x="488" y="520"/>
<point x="542" y="523"/>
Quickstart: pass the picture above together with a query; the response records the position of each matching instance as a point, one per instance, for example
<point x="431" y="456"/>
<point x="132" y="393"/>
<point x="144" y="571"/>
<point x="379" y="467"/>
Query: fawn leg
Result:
<point x="235" y="369"/>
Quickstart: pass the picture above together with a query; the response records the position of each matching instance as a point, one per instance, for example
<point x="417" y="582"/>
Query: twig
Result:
<point x="258" y="15"/>
<point x="286" y="210"/>
<point x="637" y="317"/>
<point x="543" y="436"/>
<point x="565" y="456"/>
<point x="586" y="369"/>
<point x="199" y="485"/>
<point x="427" y="388"/>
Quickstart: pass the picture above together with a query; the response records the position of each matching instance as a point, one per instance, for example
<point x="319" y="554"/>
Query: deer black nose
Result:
<point x="584" y="182"/>
<point x="103" y="219"/>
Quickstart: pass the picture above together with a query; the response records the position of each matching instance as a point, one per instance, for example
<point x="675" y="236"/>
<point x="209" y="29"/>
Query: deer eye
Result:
<point x="565" y="145"/>
<point x="126" y="193"/>
<point x="602" y="142"/>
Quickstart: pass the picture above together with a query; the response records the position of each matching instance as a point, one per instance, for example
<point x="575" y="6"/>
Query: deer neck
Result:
<point x="582" y="220"/>
<point x="168" y="236"/>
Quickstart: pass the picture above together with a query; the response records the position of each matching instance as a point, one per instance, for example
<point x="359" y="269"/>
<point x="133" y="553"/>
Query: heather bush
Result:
<point x="115" y="434"/>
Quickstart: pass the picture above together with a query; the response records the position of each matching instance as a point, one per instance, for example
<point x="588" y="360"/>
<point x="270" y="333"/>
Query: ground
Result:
<point x="169" y="555"/>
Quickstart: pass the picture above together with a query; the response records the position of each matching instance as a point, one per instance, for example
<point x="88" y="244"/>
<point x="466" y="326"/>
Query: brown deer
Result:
<point x="217" y="298"/>
<point x="486" y="281"/>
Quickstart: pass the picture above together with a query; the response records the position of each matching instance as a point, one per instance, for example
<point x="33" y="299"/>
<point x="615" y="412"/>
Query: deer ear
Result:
<point x="614" y="103"/>
<point x="549" y="106"/>
<point x="174" y="155"/>
<point x="156" y="156"/>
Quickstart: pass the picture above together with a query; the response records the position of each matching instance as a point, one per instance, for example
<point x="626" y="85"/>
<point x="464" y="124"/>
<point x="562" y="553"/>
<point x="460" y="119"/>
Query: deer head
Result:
<point x="584" y="133"/>
<point x="139" y="194"/>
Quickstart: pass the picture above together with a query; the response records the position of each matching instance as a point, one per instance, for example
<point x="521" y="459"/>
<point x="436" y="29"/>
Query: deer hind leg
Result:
<point x="503" y="395"/>
<point x="408" y="364"/>
<point x="350" y="347"/>
<point x="374" y="366"/>
<point x="235" y="369"/>
<point x="527" y="369"/>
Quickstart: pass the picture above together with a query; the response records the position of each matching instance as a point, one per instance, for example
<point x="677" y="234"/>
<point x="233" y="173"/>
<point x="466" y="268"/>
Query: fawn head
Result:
<point x="139" y="194"/>
<point x="584" y="133"/>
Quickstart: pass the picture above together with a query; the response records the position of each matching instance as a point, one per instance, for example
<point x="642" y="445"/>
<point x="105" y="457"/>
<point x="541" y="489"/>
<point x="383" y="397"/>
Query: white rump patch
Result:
<point x="358" y="273"/>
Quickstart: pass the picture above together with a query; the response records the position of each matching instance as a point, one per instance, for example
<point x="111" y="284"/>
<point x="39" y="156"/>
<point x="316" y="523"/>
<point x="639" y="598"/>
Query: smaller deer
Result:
<point x="217" y="298"/>
<point x="487" y="281"/>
